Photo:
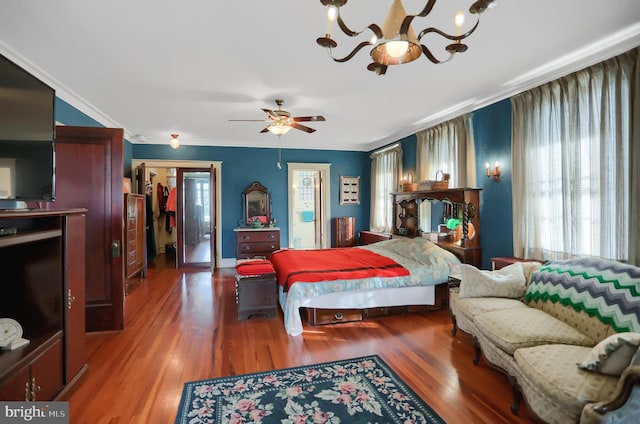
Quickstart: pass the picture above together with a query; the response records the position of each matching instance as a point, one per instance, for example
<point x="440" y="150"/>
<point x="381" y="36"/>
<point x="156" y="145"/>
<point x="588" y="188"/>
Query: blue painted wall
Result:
<point x="242" y="166"/>
<point x="492" y="134"/>
<point x="492" y="140"/>
<point x="69" y="115"/>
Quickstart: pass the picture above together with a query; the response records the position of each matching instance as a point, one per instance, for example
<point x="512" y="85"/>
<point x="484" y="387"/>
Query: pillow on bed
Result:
<point x="612" y="355"/>
<point x="508" y="282"/>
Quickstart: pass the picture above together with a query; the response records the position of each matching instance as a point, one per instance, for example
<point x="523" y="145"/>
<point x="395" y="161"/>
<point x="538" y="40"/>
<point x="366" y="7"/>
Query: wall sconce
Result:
<point x="495" y="173"/>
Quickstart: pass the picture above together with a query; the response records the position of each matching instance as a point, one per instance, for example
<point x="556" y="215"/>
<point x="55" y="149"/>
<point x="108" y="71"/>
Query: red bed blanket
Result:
<point x="346" y="263"/>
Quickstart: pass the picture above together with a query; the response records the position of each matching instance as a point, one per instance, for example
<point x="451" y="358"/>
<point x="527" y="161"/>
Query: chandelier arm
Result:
<point x="431" y="57"/>
<point x="373" y="27"/>
<point x="406" y="22"/>
<point x="353" y="52"/>
<point x="426" y="10"/>
<point x="448" y="36"/>
<point x="427" y="52"/>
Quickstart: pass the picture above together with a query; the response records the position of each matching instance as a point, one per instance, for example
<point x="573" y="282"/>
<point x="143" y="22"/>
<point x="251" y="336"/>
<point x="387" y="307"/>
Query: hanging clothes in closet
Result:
<point x="171" y="208"/>
<point x="152" y="249"/>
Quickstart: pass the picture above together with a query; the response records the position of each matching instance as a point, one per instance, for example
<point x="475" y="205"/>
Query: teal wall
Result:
<point x="492" y="140"/>
<point x="242" y="166"/>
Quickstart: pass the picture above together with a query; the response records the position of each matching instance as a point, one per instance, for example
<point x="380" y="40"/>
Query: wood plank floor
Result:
<point x="182" y="326"/>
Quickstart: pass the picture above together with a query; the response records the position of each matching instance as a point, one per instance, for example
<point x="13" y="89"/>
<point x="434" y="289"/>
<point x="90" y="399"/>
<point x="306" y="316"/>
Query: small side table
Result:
<point x="257" y="295"/>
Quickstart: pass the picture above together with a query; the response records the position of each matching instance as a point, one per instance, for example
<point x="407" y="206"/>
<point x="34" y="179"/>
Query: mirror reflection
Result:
<point x="257" y="205"/>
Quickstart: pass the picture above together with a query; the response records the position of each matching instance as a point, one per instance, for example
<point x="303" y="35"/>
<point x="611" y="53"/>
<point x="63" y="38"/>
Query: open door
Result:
<point x="213" y="229"/>
<point x="195" y="218"/>
<point x="140" y="178"/>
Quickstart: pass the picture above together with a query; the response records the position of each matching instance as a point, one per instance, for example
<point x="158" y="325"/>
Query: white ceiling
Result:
<point x="156" y="67"/>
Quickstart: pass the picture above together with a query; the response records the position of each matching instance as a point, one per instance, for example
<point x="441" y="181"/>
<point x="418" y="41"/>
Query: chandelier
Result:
<point x="396" y="43"/>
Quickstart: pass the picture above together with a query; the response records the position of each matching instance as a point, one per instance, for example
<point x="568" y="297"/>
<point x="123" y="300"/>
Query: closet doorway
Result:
<point x="181" y="231"/>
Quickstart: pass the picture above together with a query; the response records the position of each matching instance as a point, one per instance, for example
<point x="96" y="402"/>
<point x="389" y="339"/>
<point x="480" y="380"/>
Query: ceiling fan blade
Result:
<point x="248" y="120"/>
<point x="264" y="130"/>
<point x="302" y="128"/>
<point x="309" y="118"/>
<point x="271" y="113"/>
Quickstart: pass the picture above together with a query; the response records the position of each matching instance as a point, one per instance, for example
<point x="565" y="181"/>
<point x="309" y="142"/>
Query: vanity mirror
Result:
<point x="257" y="205"/>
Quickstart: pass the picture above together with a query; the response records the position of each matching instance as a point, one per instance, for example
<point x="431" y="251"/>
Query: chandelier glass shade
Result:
<point x="395" y="42"/>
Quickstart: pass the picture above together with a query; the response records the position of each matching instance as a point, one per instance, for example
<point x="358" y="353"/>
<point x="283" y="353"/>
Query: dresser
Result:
<point x="135" y="237"/>
<point x="255" y="242"/>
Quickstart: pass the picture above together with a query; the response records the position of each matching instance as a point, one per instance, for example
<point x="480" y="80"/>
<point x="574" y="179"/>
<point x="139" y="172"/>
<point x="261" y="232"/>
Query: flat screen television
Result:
<point x="27" y="137"/>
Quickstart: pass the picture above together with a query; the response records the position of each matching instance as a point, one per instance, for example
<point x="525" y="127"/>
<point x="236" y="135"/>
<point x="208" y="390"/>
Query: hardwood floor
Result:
<point x="181" y="326"/>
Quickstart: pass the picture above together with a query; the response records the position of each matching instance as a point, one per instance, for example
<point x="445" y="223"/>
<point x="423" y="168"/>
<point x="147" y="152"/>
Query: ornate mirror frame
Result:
<point x="257" y="203"/>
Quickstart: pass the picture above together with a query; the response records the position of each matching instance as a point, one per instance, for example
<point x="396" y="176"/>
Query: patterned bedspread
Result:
<point x="427" y="263"/>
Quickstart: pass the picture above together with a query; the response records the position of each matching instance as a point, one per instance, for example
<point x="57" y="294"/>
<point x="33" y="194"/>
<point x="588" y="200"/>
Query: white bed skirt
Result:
<point x="360" y="299"/>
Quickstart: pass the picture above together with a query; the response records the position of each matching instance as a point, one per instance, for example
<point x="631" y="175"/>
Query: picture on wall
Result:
<point x="349" y="190"/>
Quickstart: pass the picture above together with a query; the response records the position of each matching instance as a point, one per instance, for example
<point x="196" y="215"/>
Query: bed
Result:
<point x="389" y="273"/>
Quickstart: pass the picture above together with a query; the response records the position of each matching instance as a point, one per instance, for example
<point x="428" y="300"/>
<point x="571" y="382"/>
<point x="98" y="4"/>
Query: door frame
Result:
<point x="325" y="175"/>
<point x="217" y="166"/>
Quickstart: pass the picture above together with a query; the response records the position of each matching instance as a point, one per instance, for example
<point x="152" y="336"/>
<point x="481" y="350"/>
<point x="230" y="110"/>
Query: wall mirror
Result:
<point x="257" y="205"/>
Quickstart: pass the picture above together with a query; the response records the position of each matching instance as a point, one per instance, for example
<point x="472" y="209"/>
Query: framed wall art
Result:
<point x="349" y="190"/>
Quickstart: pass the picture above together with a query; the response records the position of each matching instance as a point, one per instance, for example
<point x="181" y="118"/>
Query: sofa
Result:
<point x="566" y="333"/>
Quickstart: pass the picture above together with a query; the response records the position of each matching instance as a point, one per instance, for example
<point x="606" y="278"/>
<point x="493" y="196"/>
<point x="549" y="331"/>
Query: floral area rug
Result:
<point x="358" y="390"/>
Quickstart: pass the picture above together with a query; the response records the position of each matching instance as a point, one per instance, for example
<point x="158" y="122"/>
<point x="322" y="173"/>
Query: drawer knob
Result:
<point x="246" y="237"/>
<point x="338" y="316"/>
<point x="272" y="247"/>
<point x="271" y="236"/>
<point x="246" y="248"/>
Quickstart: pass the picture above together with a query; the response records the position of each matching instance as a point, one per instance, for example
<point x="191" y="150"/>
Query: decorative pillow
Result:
<point x="506" y="282"/>
<point x="612" y="355"/>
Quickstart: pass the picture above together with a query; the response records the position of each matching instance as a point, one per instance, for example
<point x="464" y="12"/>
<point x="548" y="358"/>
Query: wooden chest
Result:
<point x="257" y="296"/>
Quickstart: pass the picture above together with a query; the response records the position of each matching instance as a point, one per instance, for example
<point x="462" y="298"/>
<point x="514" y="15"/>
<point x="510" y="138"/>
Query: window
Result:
<point x="386" y="169"/>
<point x="571" y="164"/>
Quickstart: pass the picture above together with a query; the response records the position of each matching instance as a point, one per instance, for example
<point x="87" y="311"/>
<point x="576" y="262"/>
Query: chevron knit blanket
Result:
<point x="606" y="289"/>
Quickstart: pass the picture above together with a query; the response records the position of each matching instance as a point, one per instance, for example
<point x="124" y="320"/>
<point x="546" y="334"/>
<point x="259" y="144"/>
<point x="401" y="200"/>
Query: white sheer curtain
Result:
<point x="572" y="179"/>
<point x="386" y="172"/>
<point x="448" y="147"/>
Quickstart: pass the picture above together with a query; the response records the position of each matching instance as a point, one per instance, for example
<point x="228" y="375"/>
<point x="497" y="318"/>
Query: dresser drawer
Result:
<point x="257" y="247"/>
<point x="259" y="236"/>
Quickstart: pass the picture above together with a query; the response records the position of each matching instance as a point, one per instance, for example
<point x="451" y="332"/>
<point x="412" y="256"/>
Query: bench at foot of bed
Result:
<point x="322" y="316"/>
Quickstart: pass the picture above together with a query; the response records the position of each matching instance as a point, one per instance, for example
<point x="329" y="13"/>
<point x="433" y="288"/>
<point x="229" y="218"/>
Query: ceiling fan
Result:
<point x="280" y="121"/>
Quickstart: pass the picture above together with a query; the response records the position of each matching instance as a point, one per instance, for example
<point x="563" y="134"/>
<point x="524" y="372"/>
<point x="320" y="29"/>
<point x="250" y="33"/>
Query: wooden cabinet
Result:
<point x="406" y="219"/>
<point x="254" y="242"/>
<point x="43" y="282"/>
<point x="40" y="379"/>
<point x="370" y="237"/>
<point x="344" y="231"/>
<point x="135" y="237"/>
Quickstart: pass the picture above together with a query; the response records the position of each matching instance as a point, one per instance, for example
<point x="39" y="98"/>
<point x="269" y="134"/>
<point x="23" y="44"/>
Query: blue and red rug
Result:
<point x="352" y="391"/>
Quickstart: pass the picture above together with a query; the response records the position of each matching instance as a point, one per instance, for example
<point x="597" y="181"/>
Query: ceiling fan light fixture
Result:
<point x="174" y="141"/>
<point x="279" y="129"/>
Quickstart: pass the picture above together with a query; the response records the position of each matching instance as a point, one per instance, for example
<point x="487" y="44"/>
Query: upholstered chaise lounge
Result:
<point x="566" y="333"/>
